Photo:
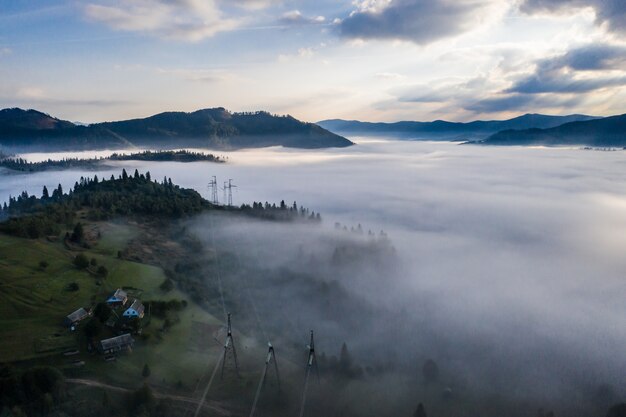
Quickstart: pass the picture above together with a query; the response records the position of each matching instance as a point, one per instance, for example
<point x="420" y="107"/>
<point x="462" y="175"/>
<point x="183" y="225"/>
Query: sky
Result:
<point x="376" y="60"/>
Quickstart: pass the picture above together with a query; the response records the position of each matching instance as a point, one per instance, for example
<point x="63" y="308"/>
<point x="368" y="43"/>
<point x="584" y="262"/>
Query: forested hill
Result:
<point x="607" y="132"/>
<point x="214" y="128"/>
<point x="136" y="195"/>
<point x="444" y="130"/>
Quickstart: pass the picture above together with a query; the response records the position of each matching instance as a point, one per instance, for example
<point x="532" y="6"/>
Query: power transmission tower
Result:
<point x="229" y="347"/>
<point x="271" y="355"/>
<point x="230" y="187"/>
<point x="213" y="187"/>
<point x="311" y="363"/>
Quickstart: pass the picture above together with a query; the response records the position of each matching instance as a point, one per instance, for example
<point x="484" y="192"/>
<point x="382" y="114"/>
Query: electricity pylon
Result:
<point x="229" y="347"/>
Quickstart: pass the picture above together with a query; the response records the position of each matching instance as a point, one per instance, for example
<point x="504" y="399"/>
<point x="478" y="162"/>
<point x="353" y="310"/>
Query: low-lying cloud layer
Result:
<point x="510" y="267"/>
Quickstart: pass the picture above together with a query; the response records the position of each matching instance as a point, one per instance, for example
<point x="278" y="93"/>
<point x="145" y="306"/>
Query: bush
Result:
<point x="93" y="262"/>
<point x="43" y="264"/>
<point x="73" y="286"/>
<point x="146" y="371"/>
<point x="93" y="328"/>
<point x="81" y="261"/>
<point x="167" y="285"/>
<point x="102" y="312"/>
<point x="102" y="271"/>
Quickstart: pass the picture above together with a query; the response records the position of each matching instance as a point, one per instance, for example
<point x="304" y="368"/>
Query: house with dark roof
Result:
<point x="119" y="297"/>
<point x="116" y="344"/>
<point x="76" y="317"/>
<point x="136" y="310"/>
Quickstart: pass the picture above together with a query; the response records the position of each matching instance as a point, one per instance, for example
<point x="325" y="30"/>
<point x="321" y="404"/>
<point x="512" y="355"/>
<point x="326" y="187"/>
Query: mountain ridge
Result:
<point x="445" y="130"/>
<point x="213" y="127"/>
<point x="606" y="132"/>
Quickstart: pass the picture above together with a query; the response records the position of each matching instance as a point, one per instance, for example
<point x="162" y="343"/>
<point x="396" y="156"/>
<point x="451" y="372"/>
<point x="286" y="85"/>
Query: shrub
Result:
<point x="146" y="371"/>
<point x="167" y="285"/>
<point x="81" y="261"/>
<point x="93" y="262"/>
<point x="73" y="286"/>
<point x="102" y="271"/>
<point x="43" y="264"/>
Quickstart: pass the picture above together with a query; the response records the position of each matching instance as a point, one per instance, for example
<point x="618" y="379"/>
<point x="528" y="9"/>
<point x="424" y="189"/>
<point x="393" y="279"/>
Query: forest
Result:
<point x="21" y="164"/>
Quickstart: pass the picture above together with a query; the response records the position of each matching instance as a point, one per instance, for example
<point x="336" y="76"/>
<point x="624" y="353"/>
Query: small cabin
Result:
<point x="116" y="344"/>
<point x="136" y="310"/>
<point x="76" y="317"/>
<point x="118" y="298"/>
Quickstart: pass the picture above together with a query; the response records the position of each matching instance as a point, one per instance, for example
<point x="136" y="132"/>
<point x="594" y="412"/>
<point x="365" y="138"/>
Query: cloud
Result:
<point x="418" y="21"/>
<point x="251" y="4"/>
<point x="577" y="71"/>
<point x="520" y="102"/>
<point x="295" y="17"/>
<point x="198" y="75"/>
<point x="610" y="13"/>
<point x="5" y="51"/>
<point x="390" y="76"/>
<point x="186" y="20"/>
<point x="510" y="268"/>
<point x="303" y="53"/>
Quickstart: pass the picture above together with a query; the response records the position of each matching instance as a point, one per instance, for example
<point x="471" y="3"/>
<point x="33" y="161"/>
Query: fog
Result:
<point x="509" y="266"/>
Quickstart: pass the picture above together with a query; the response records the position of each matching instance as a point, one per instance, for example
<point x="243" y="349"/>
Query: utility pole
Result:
<point x="213" y="187"/>
<point x="229" y="346"/>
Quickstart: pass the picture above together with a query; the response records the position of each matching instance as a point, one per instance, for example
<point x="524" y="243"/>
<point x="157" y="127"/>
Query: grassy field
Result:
<point x="34" y="301"/>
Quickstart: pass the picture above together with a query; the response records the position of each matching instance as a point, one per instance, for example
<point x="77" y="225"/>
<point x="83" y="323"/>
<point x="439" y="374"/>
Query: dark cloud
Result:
<point x="519" y="102"/>
<point x="595" y="57"/>
<point x="611" y="13"/>
<point x="419" y="21"/>
<point x="560" y="74"/>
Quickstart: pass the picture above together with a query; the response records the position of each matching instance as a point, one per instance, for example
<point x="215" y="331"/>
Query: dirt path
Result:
<point x="213" y="406"/>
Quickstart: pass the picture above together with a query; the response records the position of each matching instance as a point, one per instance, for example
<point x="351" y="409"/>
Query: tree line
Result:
<point x="21" y="164"/>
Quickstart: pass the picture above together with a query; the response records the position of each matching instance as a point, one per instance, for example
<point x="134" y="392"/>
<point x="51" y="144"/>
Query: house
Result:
<point x="118" y="298"/>
<point x="135" y="310"/>
<point x="116" y="344"/>
<point x="76" y="317"/>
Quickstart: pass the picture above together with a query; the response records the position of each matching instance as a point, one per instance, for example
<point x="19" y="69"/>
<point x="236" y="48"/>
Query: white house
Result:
<point x="119" y="297"/>
<point x="135" y="310"/>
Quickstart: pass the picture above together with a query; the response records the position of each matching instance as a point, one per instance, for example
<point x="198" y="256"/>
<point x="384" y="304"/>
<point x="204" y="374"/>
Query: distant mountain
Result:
<point x="606" y="132"/>
<point x="443" y="130"/>
<point x="215" y="128"/>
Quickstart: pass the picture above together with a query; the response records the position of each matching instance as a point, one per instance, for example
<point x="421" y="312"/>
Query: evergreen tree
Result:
<point x="345" y="360"/>
<point x="78" y="234"/>
<point x="430" y="371"/>
<point x="420" y="412"/>
<point x="136" y="175"/>
<point x="124" y="175"/>
<point x="45" y="194"/>
<point x="146" y="371"/>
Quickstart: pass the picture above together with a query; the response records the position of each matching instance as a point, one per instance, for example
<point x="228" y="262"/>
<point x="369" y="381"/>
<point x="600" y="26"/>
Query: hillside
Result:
<point x="444" y="130"/>
<point x="607" y="132"/>
<point x="215" y="128"/>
